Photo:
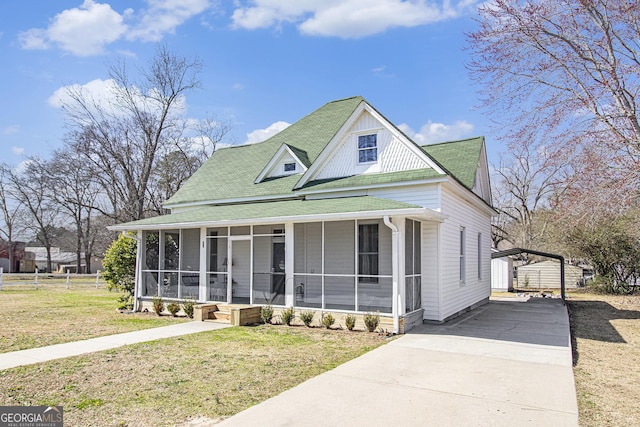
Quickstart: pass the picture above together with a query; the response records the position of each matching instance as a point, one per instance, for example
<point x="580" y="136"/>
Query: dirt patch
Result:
<point x="606" y="344"/>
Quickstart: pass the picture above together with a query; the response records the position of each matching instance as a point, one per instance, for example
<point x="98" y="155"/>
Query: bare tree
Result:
<point x="12" y="212"/>
<point x="33" y="190"/>
<point x="76" y="194"/>
<point x="529" y="181"/>
<point x="565" y="73"/>
<point x="125" y="136"/>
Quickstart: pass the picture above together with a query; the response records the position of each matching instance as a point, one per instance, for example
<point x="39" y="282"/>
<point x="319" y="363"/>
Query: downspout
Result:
<point x="394" y="272"/>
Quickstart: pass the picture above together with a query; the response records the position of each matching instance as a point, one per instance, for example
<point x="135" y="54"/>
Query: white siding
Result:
<point x="430" y="273"/>
<point x="546" y="274"/>
<point x="425" y="195"/>
<point x="456" y="296"/>
<point x="393" y="154"/>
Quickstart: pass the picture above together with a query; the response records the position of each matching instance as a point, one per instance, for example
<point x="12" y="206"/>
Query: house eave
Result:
<point x="372" y="186"/>
<point x="424" y="214"/>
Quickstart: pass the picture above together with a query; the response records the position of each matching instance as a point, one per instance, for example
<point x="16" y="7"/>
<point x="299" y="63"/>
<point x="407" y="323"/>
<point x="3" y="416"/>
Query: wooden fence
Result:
<point x="36" y="279"/>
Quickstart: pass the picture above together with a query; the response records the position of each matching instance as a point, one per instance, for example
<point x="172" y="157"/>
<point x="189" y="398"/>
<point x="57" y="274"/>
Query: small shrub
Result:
<point x="328" y="320"/>
<point x="371" y="321"/>
<point x="350" y="321"/>
<point x="187" y="307"/>
<point x="158" y="305"/>
<point x="307" y="317"/>
<point x="173" y="308"/>
<point x="266" y="313"/>
<point x="288" y="315"/>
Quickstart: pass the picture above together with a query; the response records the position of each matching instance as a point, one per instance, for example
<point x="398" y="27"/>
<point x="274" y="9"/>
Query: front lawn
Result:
<point x="53" y="314"/>
<point x="209" y="375"/>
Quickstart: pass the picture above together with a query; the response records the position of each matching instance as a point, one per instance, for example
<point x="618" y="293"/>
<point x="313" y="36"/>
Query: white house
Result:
<point x="339" y="212"/>
<point x="546" y="274"/>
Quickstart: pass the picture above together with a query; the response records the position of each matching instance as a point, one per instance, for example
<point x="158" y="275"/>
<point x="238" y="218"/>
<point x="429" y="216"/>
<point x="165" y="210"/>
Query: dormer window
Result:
<point x="368" y="148"/>
<point x="289" y="167"/>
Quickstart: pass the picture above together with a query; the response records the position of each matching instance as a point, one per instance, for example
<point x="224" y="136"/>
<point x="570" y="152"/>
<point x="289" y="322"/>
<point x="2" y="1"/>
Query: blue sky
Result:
<point x="266" y="62"/>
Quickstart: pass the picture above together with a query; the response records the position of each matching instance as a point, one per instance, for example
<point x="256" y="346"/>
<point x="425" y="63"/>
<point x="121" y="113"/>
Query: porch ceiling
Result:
<point x="283" y="211"/>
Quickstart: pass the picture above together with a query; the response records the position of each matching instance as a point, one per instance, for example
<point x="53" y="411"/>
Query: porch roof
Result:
<point x="282" y="211"/>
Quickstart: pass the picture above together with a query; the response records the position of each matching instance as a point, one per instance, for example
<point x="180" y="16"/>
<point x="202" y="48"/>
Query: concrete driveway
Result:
<point x="506" y="363"/>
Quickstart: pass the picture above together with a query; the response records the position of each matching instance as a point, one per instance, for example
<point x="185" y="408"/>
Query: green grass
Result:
<point x="212" y="374"/>
<point x="53" y="314"/>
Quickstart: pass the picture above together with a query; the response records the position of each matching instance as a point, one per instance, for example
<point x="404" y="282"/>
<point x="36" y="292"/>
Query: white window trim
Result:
<point x="463" y="256"/>
<point x="358" y="149"/>
<point x="479" y="256"/>
<point x="284" y="168"/>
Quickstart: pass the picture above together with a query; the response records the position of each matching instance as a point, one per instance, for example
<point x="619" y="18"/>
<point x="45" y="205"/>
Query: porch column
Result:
<point x="288" y="264"/>
<point x="202" y="288"/>
<point x="138" y="278"/>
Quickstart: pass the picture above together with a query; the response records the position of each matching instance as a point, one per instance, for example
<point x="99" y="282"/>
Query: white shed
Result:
<point x="502" y="274"/>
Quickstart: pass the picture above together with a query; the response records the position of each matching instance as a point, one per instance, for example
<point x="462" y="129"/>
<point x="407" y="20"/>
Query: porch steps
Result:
<point x="235" y="314"/>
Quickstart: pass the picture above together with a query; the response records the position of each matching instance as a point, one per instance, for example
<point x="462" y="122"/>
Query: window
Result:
<point x="289" y="167"/>
<point x="367" y="148"/>
<point x="479" y="256"/>
<point x="368" y="253"/>
<point x="463" y="272"/>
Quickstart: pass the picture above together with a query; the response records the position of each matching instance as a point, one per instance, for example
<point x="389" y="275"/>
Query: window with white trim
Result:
<point x="463" y="272"/>
<point x="368" y="148"/>
<point x="479" y="256"/>
<point x="289" y="167"/>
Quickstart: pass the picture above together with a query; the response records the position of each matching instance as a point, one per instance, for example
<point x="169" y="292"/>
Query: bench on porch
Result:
<point x="235" y="314"/>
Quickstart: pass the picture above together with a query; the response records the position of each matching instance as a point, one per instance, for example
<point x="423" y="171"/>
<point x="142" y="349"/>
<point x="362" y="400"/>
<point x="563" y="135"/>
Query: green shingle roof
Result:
<point x="459" y="158"/>
<point x="271" y="211"/>
<point x="372" y="179"/>
<point x="230" y="172"/>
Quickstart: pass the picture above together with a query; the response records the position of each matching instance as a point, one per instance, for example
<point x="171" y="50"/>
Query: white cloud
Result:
<point x="88" y="29"/>
<point x="83" y="31"/>
<point x="102" y="94"/>
<point x="260" y="135"/>
<point x="10" y="130"/>
<point x="238" y="86"/>
<point x="346" y="18"/>
<point x="164" y="16"/>
<point x="18" y="151"/>
<point x="431" y="132"/>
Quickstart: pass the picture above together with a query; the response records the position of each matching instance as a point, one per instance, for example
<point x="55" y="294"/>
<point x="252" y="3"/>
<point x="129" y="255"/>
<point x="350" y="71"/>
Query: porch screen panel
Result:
<point x="151" y="263"/>
<point x="308" y="265"/>
<point x="171" y="263"/>
<point x="413" y="257"/>
<point x="266" y="281"/>
<point x="217" y="264"/>
<point x="339" y="247"/>
<point x="190" y="263"/>
<point x="308" y="290"/>
<point x="340" y="293"/>
<point x="308" y="248"/>
<point x="376" y="296"/>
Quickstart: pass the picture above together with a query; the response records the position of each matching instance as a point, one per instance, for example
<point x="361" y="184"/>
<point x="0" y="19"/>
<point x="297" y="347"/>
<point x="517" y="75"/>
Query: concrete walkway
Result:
<point x="43" y="354"/>
<point x="506" y="363"/>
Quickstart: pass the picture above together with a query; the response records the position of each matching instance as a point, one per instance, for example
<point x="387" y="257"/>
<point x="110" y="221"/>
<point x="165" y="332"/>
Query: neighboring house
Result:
<point x="501" y="273"/>
<point x="339" y="212"/>
<point x="16" y="250"/>
<point x="61" y="261"/>
<point x="546" y="274"/>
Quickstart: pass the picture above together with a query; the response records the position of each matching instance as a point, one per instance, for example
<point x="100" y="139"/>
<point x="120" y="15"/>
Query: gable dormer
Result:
<point x="367" y="144"/>
<point x="286" y="161"/>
